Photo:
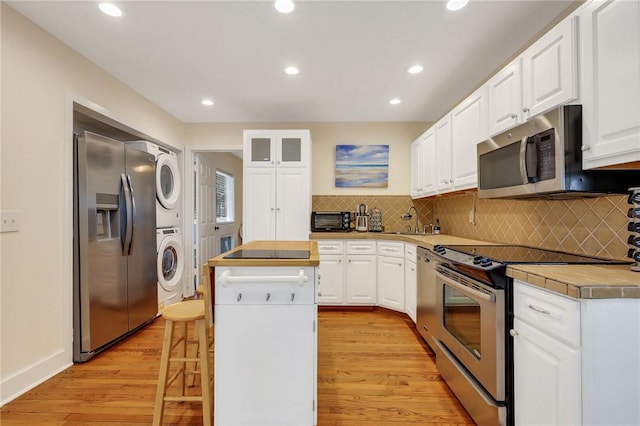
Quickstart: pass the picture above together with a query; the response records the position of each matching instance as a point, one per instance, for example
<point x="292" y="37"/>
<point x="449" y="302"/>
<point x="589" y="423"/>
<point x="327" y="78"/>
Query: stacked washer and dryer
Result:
<point x="171" y="255"/>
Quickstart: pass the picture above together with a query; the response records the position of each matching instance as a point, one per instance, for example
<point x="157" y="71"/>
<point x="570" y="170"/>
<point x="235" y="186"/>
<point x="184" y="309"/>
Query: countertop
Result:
<point x="576" y="281"/>
<point x="312" y="246"/>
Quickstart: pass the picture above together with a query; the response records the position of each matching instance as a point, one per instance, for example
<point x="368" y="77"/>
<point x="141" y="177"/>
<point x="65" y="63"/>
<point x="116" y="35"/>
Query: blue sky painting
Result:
<point x="362" y="166"/>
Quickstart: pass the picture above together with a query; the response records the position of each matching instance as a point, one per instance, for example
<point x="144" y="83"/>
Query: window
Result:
<point x="224" y="197"/>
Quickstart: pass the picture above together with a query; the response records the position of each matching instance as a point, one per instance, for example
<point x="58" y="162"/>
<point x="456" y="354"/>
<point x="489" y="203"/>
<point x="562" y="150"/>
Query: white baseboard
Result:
<point x="15" y="385"/>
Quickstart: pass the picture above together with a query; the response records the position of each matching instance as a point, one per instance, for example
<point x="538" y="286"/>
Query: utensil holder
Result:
<point x="634" y="227"/>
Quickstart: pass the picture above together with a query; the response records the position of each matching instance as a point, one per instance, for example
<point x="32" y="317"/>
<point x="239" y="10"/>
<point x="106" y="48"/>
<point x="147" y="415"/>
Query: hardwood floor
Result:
<point x="372" y="370"/>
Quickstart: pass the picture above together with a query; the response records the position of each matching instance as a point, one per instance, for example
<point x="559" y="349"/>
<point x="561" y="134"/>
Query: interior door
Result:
<point x="214" y="237"/>
<point x="207" y="234"/>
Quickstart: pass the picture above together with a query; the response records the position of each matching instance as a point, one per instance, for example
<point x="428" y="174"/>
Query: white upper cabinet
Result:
<point x="549" y="70"/>
<point x="610" y="82"/>
<point x="416" y="167"/>
<point x="423" y="164"/>
<point x="505" y="98"/>
<point x="542" y="78"/>
<point x="468" y="128"/>
<point x="443" y="154"/>
<point x="281" y="148"/>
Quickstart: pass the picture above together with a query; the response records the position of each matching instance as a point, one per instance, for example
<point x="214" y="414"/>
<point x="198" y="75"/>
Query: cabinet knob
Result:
<point x="585" y="148"/>
<point x="268" y="296"/>
<point x="239" y="297"/>
<point x="514" y="116"/>
<point x="525" y="109"/>
<point x="319" y="294"/>
<point x="513" y="332"/>
<point x="293" y="296"/>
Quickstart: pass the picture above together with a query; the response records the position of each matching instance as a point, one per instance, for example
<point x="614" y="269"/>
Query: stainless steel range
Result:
<point x="474" y="312"/>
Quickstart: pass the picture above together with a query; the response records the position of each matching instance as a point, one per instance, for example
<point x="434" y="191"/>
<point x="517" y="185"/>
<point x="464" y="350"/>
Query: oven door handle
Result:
<point x="475" y="294"/>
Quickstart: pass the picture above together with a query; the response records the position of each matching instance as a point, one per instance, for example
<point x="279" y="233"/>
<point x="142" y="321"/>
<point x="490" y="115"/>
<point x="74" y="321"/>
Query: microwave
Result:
<point x="330" y="221"/>
<point x="542" y="158"/>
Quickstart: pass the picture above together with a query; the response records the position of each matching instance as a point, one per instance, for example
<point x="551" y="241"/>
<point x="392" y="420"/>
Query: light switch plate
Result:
<point x="9" y="221"/>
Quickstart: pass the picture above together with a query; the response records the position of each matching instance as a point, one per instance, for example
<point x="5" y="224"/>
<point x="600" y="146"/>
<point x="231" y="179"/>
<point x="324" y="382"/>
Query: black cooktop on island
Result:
<point x="268" y="254"/>
<point x="512" y="254"/>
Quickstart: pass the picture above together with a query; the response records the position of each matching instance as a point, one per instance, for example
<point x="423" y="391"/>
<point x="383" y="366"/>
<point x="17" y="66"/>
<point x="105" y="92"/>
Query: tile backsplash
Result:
<point x="392" y="207"/>
<point x="591" y="226"/>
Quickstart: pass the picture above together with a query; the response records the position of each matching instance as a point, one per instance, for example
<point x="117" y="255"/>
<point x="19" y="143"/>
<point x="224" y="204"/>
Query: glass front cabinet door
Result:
<point x="281" y="148"/>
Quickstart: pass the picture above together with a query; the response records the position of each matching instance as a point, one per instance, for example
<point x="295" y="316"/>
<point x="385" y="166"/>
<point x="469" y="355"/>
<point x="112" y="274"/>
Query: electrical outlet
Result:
<point x="9" y="221"/>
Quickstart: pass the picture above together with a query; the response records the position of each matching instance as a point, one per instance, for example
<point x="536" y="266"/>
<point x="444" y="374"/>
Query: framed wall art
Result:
<point x="362" y="166"/>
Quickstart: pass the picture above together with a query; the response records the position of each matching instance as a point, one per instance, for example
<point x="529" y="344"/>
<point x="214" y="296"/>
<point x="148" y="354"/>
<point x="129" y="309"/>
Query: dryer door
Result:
<point x="167" y="181"/>
<point x="170" y="263"/>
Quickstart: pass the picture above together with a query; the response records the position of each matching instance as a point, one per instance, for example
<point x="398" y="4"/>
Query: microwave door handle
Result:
<point x="523" y="161"/>
<point x="531" y="158"/>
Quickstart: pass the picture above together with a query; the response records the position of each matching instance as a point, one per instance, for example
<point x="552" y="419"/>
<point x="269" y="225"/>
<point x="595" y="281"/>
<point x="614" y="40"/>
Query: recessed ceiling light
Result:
<point x="291" y="70"/>
<point x="207" y="102"/>
<point x="110" y="9"/>
<point x="456" y="4"/>
<point x="395" y="101"/>
<point x="284" y="6"/>
<point x="415" y="69"/>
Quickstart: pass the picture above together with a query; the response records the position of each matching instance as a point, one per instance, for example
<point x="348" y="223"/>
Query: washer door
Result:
<point x="167" y="181"/>
<point x="170" y="263"/>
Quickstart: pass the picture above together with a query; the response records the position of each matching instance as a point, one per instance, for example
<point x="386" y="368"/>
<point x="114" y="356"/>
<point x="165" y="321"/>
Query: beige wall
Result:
<point x="325" y="137"/>
<point x="40" y="78"/>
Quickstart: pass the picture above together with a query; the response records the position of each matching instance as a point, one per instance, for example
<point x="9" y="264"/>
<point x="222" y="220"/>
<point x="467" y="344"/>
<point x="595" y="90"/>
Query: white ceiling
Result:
<point x="352" y="55"/>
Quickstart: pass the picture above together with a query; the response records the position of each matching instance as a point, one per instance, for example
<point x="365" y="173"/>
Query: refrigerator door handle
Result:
<point x="128" y="230"/>
<point x="133" y="215"/>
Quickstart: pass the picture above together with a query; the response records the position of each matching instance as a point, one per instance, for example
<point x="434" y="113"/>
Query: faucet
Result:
<point x="408" y="216"/>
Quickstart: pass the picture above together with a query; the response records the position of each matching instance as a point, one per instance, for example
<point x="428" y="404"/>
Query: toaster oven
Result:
<point x="330" y="221"/>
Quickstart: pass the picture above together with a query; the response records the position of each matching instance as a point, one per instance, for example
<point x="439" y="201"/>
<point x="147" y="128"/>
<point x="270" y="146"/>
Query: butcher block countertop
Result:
<point x="576" y="281"/>
<point x="311" y="246"/>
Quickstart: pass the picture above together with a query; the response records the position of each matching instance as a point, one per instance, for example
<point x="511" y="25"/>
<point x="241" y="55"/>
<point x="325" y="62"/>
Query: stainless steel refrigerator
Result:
<point x="115" y="278"/>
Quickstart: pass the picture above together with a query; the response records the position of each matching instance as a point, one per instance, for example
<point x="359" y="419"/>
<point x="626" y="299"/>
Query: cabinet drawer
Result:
<point x="390" y="248"/>
<point x="552" y="314"/>
<point x="330" y="247"/>
<point x="361" y="247"/>
<point x="410" y="252"/>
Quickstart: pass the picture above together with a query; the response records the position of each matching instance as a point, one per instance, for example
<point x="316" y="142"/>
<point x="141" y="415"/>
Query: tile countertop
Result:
<point x="576" y="281"/>
<point x="312" y="246"/>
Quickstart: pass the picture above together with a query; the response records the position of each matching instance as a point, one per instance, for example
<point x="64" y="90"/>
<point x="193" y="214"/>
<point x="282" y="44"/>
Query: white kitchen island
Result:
<point x="265" y="315"/>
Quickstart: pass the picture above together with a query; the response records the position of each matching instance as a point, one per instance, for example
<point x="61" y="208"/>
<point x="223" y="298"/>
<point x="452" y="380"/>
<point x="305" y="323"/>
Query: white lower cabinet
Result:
<point x="575" y="361"/>
<point x="546" y="345"/>
<point x="391" y="282"/>
<point x="411" y="281"/>
<point x="331" y="281"/>
<point x="360" y="274"/>
<point x="391" y="286"/>
<point x="547" y="379"/>
<point x="410" y="289"/>
<point x="347" y="272"/>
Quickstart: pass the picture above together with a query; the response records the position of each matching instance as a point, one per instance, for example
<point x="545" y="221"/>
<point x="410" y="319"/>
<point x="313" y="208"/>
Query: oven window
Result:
<point x="328" y="221"/>
<point x="462" y="319"/>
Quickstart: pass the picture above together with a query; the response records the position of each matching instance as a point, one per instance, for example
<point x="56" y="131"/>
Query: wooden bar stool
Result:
<point x="181" y="314"/>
